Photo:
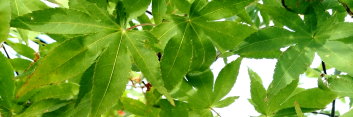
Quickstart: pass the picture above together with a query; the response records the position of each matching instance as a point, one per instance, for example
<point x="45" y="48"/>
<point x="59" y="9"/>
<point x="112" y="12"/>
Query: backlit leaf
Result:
<point x="159" y="9"/>
<point x="61" y="21"/>
<point x="293" y="62"/>
<point x="218" y="9"/>
<point x="110" y="76"/>
<point x="269" y="39"/>
<point x="69" y="59"/>
<point x="225" y="35"/>
<point x="139" y="44"/>
<point x="226" y="79"/>
<point x="42" y="107"/>
<point x="176" y="59"/>
<point x="338" y="55"/>
<point x="225" y="102"/>
<point x="5" y="19"/>
<point x="342" y="86"/>
<point x="7" y="83"/>
<point x="258" y="92"/>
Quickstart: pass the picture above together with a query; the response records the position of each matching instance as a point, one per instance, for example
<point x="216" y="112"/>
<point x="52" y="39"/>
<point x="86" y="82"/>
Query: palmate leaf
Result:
<point x="305" y="99"/>
<point x="159" y="9"/>
<point x="342" y="85"/>
<point x="94" y="10"/>
<point x="21" y="7"/>
<point x="42" y="107"/>
<point x="258" y="92"/>
<point x="176" y="60"/>
<point x="136" y="8"/>
<point x="225" y="102"/>
<point x="335" y="31"/>
<point x="281" y="15"/>
<point x="65" y="91"/>
<point x="139" y="45"/>
<point x="192" y="35"/>
<point x="7" y="83"/>
<point x="203" y="82"/>
<point x="225" y="35"/>
<point x="135" y="106"/>
<point x="226" y="79"/>
<point x="164" y="32"/>
<point x="294" y="61"/>
<point x="269" y="40"/>
<point x="203" y="51"/>
<point x="23" y="50"/>
<point x="218" y="9"/>
<point x="182" y="6"/>
<point x="20" y="65"/>
<point x="274" y="101"/>
<point x="337" y="54"/>
<point x="79" y="54"/>
<point x="61" y="21"/>
<point x="5" y="15"/>
<point x="110" y="76"/>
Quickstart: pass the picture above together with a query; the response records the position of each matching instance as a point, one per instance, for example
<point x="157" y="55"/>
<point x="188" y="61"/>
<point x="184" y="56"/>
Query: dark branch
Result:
<point x="8" y="56"/>
<point x="322" y="113"/>
<point x="149" y="12"/>
<point x="334" y="101"/>
<point x="285" y="6"/>
<point x="216" y="112"/>
<point x="348" y="10"/>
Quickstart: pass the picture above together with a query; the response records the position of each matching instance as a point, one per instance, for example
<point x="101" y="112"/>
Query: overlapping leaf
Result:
<point x="7" y="83"/>
<point x="338" y="55"/>
<point x="5" y="15"/>
<point x="79" y="54"/>
<point x="192" y="34"/>
<point x="111" y="74"/>
<point x="269" y="40"/>
<point x="290" y="65"/>
<point x="61" y="21"/>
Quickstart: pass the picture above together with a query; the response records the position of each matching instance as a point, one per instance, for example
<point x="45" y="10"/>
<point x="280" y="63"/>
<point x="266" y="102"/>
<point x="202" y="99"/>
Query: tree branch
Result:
<point x="149" y="12"/>
<point x="140" y="25"/>
<point x="334" y="101"/>
<point x="348" y="10"/>
<point x="8" y="56"/>
<point x="216" y="112"/>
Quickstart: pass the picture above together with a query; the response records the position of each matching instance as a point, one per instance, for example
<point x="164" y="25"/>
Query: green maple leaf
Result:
<point x="103" y="42"/>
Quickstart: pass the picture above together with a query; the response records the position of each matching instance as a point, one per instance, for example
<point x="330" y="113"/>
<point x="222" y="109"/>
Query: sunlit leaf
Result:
<point x="294" y="61"/>
<point x="258" y="92"/>
<point x="139" y="44"/>
<point x="42" y="107"/>
<point x="111" y="75"/>
<point x="7" y="83"/>
<point x="5" y="19"/>
<point x="226" y="79"/>
<point x="337" y="54"/>
<point x="75" y="54"/>
<point x="61" y="21"/>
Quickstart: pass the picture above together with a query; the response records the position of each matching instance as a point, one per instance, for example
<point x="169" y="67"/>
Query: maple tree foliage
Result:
<point x="107" y="50"/>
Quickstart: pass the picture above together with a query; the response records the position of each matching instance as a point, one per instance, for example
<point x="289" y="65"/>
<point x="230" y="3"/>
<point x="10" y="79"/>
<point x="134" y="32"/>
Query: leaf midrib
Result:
<point x="111" y="75"/>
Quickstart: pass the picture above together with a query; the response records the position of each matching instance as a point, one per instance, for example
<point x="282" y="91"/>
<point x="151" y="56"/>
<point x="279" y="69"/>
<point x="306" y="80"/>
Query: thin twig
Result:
<point x="8" y="56"/>
<point x="216" y="112"/>
<point x="285" y="6"/>
<point x="140" y="25"/>
<point x="348" y="10"/>
<point x="334" y="101"/>
<point x="322" y="113"/>
<point x="333" y="108"/>
<point x="149" y="12"/>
